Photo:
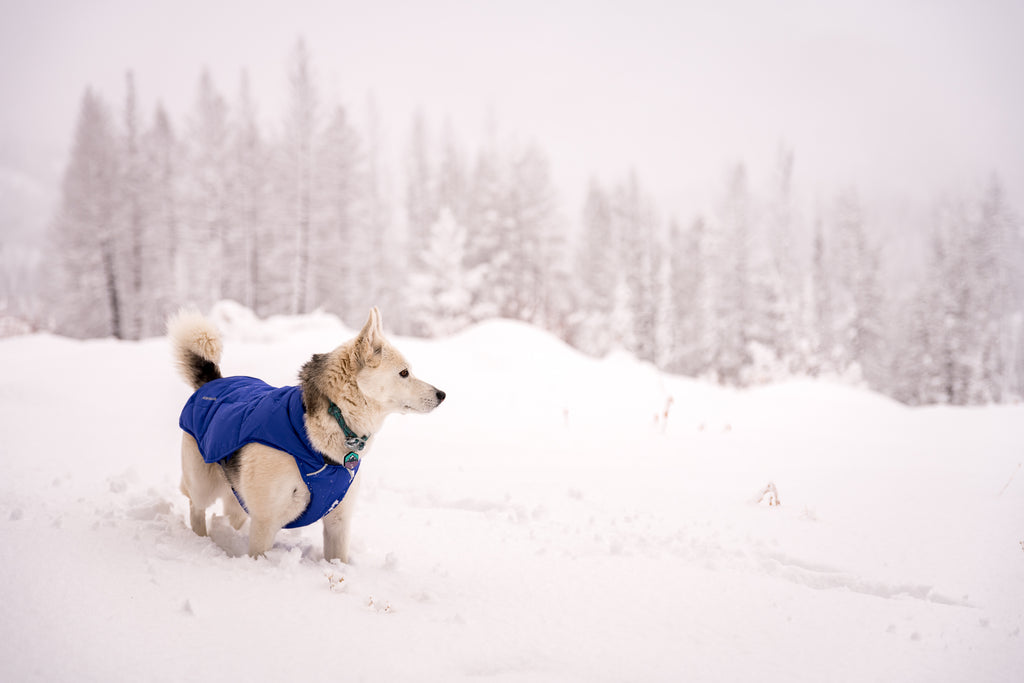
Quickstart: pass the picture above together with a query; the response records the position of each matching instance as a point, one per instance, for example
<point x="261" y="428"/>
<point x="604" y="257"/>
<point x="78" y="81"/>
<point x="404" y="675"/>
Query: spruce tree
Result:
<point x="88" y="283"/>
<point x="300" y="133"/>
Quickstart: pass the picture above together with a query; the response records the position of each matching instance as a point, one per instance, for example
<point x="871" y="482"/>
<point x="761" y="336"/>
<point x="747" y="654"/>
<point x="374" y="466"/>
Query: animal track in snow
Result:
<point x="820" y="577"/>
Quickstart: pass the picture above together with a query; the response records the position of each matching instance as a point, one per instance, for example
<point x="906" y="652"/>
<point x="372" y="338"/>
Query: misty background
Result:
<point x="729" y="190"/>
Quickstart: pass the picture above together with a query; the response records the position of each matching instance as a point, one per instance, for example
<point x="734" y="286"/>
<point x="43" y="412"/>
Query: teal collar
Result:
<point x="354" y="443"/>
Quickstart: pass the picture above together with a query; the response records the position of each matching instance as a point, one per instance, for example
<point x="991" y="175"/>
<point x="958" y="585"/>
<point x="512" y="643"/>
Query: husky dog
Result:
<point x="287" y="456"/>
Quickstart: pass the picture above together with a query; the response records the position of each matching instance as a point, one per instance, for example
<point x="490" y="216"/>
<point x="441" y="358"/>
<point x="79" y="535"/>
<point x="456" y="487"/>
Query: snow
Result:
<point x="541" y="525"/>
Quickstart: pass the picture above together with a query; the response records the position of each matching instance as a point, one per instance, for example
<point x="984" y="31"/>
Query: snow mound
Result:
<point x="559" y="518"/>
<point x="240" y="323"/>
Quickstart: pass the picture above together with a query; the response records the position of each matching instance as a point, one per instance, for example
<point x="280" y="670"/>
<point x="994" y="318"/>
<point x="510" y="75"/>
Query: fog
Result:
<point x="904" y="100"/>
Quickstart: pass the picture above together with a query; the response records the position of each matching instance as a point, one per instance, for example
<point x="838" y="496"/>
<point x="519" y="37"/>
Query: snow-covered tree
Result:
<point x="87" y="284"/>
<point x="163" y="267"/>
<point x="689" y="303"/>
<point x="634" y="221"/>
<point x="846" y="297"/>
<point x="420" y="186"/>
<point x="972" y="290"/>
<point x="536" y="247"/>
<point x="779" y="284"/>
<point x="821" y="329"/>
<point x="598" y="271"/>
<point x="950" y="334"/>
<point x="728" y="256"/>
<point x="131" y="215"/>
<point x="249" y="235"/>
<point x="487" y="255"/>
<point x="858" y="271"/>
<point x="389" y="258"/>
<point x="999" y="310"/>
<point x="440" y="292"/>
<point x="452" y="177"/>
<point x="341" y="262"/>
<point x="301" y="130"/>
<point x="205" y="215"/>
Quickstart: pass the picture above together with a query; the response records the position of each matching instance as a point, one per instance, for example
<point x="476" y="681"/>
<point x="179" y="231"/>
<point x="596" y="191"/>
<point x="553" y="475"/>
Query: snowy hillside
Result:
<point x="541" y="525"/>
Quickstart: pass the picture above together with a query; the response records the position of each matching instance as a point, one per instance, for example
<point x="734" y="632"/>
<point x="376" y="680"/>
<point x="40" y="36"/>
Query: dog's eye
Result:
<point x="403" y="373"/>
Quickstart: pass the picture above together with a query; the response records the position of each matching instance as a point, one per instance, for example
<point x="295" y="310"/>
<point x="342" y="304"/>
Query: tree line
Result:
<point x="153" y="215"/>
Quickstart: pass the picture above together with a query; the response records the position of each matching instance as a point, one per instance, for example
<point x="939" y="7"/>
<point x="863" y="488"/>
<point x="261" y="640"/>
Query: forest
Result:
<point x="311" y="214"/>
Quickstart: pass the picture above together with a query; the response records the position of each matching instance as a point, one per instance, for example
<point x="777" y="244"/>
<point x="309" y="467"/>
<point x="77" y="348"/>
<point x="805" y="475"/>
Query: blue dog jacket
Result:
<point x="226" y="414"/>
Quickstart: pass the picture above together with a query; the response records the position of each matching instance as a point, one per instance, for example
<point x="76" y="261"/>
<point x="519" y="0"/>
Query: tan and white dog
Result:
<point x="366" y="378"/>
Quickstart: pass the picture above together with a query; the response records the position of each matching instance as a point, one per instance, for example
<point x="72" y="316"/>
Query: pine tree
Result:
<point x="781" y="283"/>
<point x="248" y="236"/>
<point x="420" y="191"/>
<point x="132" y="186"/>
<point x="421" y="209"/>
<point x="452" y="182"/>
<point x="206" y="214"/>
<point x="161" y="251"/>
<point x="341" y="262"/>
<point x="388" y="260"/>
<point x="440" y="291"/>
<point x="536" y="269"/>
<point x="998" y="313"/>
<point x="949" y="333"/>
<point x="487" y="255"/>
<point x="597" y="274"/>
<point x="846" y="305"/>
<point x="689" y="315"/>
<point x="634" y="221"/>
<point x="300" y="133"/>
<point x="869" y="332"/>
<point x="87" y="289"/>
<point x="914" y="367"/>
<point x="729" y="254"/>
<point x="973" y="296"/>
<point x="822" y="342"/>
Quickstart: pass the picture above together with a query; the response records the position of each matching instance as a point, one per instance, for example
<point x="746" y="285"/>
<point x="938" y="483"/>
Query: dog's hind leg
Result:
<point x="274" y="493"/>
<point x="203" y="484"/>
<point x="268" y="520"/>
<point x="261" y="536"/>
<point x="196" y="515"/>
<point x="235" y="512"/>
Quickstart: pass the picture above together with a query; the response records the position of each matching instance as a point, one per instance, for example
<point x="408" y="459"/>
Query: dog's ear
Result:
<point x="370" y="342"/>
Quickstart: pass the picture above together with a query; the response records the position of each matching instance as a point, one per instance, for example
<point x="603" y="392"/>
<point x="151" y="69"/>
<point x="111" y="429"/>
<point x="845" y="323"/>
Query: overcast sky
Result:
<point x="897" y="97"/>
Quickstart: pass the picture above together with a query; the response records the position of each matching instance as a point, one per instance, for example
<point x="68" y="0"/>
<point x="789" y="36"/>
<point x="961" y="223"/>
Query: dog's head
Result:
<point x="383" y="375"/>
<point x="368" y="379"/>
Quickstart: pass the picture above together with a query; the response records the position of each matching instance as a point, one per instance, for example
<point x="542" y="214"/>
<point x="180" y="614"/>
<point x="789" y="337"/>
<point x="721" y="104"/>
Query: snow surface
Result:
<point x="541" y="525"/>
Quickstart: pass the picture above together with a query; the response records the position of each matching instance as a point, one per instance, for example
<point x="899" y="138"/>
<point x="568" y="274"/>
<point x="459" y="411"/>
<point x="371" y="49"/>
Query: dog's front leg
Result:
<point x="337" y="525"/>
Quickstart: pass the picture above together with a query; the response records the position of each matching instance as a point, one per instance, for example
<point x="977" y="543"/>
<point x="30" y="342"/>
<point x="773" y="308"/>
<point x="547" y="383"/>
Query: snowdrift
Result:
<point x="547" y="523"/>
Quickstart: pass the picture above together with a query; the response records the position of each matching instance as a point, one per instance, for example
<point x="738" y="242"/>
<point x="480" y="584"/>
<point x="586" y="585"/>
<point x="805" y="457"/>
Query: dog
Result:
<point x="287" y="456"/>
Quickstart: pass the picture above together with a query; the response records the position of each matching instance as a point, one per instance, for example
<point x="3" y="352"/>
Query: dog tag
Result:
<point x="351" y="461"/>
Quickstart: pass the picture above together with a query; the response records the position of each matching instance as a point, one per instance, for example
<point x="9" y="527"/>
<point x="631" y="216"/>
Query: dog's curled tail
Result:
<point x="197" y="346"/>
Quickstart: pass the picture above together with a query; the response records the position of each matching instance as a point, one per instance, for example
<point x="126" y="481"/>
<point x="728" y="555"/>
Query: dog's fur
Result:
<point x="365" y="377"/>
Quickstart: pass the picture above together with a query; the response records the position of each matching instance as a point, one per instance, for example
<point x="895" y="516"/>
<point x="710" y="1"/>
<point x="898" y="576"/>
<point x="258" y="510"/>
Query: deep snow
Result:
<point x="541" y="525"/>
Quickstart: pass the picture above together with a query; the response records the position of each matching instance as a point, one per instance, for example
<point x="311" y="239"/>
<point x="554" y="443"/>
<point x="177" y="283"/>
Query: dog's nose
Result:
<point x="440" y="396"/>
